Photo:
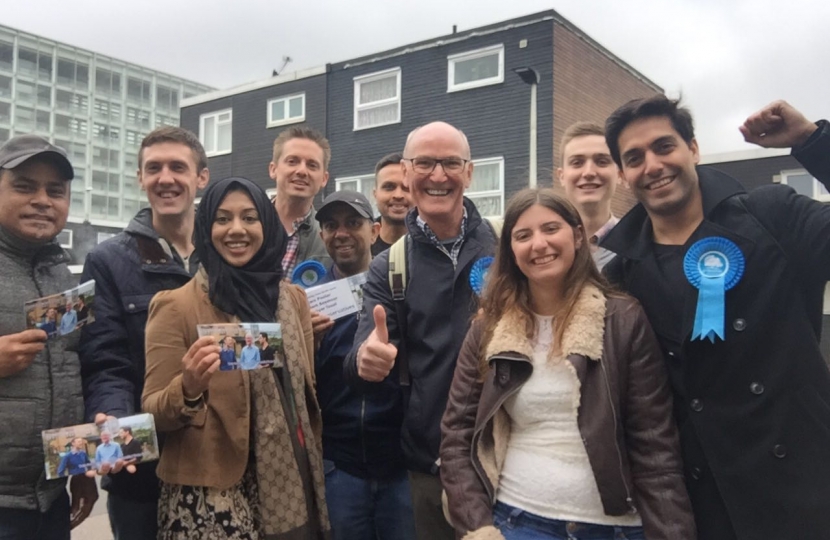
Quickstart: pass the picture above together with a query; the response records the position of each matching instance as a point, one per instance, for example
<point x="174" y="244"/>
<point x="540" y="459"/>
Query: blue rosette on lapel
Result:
<point x="713" y="266"/>
<point x="478" y="274"/>
<point x="308" y="274"/>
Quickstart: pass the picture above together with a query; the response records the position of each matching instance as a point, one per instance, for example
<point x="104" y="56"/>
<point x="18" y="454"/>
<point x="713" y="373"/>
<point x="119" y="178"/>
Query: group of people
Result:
<point x="73" y="315"/>
<point x="655" y="376"/>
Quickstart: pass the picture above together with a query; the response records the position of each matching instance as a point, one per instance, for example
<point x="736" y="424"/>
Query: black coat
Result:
<point x="753" y="410"/>
<point x="128" y="270"/>
<point x="440" y="303"/>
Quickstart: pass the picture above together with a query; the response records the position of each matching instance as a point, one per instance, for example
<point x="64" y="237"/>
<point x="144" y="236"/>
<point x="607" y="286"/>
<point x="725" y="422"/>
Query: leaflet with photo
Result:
<point x="91" y="448"/>
<point x="62" y="313"/>
<point x="339" y="298"/>
<point x="246" y="345"/>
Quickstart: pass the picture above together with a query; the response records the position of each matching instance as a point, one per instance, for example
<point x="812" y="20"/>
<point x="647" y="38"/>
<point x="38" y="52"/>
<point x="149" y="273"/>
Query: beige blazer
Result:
<point x="208" y="447"/>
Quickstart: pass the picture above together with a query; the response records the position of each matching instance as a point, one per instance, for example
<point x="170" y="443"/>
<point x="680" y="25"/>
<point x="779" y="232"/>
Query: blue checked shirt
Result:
<point x="453" y="252"/>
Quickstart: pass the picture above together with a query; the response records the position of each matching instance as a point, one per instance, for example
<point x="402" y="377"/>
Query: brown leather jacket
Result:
<point x="625" y="417"/>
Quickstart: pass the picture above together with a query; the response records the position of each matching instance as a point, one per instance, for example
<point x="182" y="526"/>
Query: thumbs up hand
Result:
<point x="376" y="355"/>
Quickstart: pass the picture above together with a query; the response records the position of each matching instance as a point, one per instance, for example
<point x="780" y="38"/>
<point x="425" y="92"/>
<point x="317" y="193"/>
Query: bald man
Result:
<point x="446" y="236"/>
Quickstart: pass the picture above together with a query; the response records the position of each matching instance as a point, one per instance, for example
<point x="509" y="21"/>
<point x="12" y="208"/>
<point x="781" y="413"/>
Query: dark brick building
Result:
<point x="366" y="106"/>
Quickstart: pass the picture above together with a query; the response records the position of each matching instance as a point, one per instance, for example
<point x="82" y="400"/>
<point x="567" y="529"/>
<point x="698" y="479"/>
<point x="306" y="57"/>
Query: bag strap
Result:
<point x="397" y="284"/>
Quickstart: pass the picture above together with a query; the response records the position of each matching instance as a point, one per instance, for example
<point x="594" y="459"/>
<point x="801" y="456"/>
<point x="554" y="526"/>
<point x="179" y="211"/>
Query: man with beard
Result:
<point x="733" y="283"/>
<point x="367" y="490"/>
<point x="392" y="198"/>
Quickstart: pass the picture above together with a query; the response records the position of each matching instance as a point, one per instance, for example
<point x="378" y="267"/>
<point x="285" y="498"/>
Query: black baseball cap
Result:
<point x="356" y="200"/>
<point x="24" y="147"/>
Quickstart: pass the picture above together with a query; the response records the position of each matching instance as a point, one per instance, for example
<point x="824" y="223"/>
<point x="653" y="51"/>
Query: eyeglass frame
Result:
<point x="464" y="163"/>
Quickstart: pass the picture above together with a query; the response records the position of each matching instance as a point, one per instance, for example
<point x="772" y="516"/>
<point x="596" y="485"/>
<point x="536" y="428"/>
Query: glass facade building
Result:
<point x="96" y="107"/>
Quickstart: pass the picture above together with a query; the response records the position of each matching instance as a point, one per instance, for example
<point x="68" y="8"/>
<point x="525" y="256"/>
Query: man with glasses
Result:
<point x="416" y="339"/>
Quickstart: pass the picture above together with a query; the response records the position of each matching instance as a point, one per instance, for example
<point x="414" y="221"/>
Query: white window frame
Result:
<point x="370" y="178"/>
<point x="288" y="119"/>
<point x="471" y="55"/>
<point x="69" y="240"/>
<point x="371" y="77"/>
<point x="817" y="194"/>
<point x="215" y="114"/>
<point x="473" y="195"/>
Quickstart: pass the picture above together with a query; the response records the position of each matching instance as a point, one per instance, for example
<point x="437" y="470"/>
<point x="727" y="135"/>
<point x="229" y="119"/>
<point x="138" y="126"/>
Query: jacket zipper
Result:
<point x="628" y="498"/>
<point x="362" y="427"/>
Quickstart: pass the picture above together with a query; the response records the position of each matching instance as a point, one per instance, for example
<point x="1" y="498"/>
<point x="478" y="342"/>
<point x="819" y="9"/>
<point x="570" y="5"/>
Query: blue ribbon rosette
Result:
<point x="713" y="266"/>
<point x="478" y="274"/>
<point x="308" y="274"/>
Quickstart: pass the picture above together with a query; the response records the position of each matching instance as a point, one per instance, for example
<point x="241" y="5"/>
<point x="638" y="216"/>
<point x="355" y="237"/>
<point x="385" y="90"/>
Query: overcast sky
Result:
<point x="728" y="57"/>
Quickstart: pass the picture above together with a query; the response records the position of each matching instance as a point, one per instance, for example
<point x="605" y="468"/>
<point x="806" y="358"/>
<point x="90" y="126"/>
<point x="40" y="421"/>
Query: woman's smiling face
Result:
<point x="236" y="232"/>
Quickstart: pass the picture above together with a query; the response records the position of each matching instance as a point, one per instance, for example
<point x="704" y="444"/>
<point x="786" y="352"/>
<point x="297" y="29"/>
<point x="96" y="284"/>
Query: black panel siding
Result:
<point x="495" y="118"/>
<point x="252" y="141"/>
<point x="753" y="173"/>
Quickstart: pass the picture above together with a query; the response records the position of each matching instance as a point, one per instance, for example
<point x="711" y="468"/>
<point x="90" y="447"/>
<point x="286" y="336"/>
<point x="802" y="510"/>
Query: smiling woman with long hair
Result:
<point x="242" y="456"/>
<point x="559" y="420"/>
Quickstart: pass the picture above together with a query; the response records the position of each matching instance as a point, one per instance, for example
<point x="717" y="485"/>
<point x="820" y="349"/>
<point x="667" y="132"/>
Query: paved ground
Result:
<point x="97" y="525"/>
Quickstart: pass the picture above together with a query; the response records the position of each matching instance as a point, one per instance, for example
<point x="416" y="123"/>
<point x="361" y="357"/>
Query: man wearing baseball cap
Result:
<point x="367" y="489"/>
<point x="40" y="383"/>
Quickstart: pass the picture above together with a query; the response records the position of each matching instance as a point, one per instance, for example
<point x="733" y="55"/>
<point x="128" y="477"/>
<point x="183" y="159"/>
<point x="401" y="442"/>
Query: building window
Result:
<point x="362" y="184"/>
<point x="71" y="73"/>
<point x="804" y="183"/>
<point x="487" y="187"/>
<point x="138" y="90"/>
<point x="215" y="132"/>
<point x="472" y="69"/>
<point x="65" y="238"/>
<point x="107" y="82"/>
<point x="286" y="110"/>
<point x="6" y="55"/>
<point x="5" y="85"/>
<point x="377" y="99"/>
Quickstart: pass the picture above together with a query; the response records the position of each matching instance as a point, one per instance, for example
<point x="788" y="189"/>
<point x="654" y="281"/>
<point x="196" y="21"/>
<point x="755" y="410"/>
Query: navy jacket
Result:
<point x="753" y="410"/>
<point x="128" y="270"/>
<point x="361" y="431"/>
<point x="439" y="306"/>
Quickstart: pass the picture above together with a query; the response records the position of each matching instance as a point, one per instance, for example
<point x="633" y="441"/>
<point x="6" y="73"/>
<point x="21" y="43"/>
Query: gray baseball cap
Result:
<point x="24" y="147"/>
<point x="356" y="200"/>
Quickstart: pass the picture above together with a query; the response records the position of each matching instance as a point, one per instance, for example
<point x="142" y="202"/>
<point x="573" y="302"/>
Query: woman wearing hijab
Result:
<point x="242" y="456"/>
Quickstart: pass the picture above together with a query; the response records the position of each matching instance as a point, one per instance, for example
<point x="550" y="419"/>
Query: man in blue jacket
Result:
<point x="367" y="489"/>
<point x="154" y="253"/>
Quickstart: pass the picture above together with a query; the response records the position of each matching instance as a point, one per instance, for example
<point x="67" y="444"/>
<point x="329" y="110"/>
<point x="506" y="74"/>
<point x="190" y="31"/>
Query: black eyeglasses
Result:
<point x="425" y="165"/>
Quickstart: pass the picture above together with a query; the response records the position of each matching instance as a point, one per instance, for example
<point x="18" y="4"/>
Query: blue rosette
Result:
<point x="308" y="274"/>
<point x="478" y="274"/>
<point x="713" y="266"/>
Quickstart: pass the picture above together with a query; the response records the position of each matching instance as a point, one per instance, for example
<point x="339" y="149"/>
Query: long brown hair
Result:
<point x="507" y="287"/>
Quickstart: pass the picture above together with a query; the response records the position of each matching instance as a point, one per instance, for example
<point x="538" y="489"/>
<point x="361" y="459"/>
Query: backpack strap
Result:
<point x="397" y="268"/>
<point x="397" y="284"/>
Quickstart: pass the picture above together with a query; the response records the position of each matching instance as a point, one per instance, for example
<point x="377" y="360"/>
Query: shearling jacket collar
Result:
<point x="583" y="335"/>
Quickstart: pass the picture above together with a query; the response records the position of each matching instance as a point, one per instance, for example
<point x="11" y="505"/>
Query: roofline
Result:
<point x="446" y="39"/>
<point x="518" y="22"/>
<point x="608" y="54"/>
<point x="743" y="155"/>
<point x="100" y="55"/>
<point x="255" y="85"/>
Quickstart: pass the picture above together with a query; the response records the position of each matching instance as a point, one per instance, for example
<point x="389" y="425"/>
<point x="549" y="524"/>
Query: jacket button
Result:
<point x="503" y="378"/>
<point x="571" y="527"/>
<point x="697" y="473"/>
<point x="756" y="388"/>
<point x="131" y="306"/>
<point x="696" y="405"/>
<point x="148" y="261"/>
<point x="739" y="325"/>
<point x="162" y="260"/>
<point x="671" y="354"/>
<point x="779" y="451"/>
